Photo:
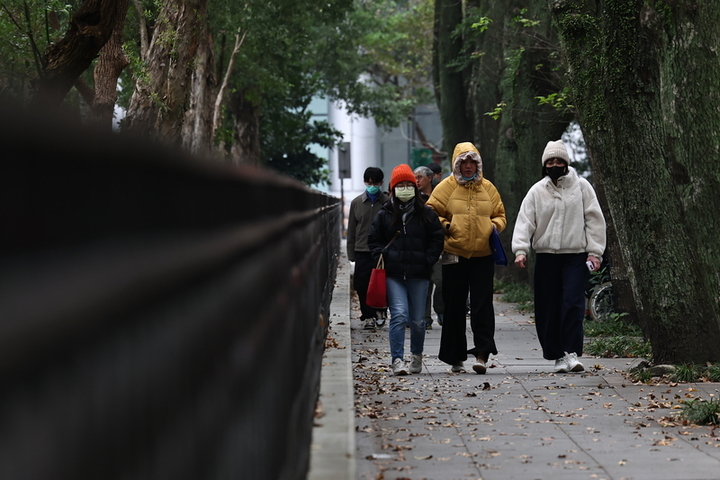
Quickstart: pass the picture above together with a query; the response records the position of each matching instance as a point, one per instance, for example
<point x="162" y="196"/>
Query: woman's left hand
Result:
<point x="595" y="261"/>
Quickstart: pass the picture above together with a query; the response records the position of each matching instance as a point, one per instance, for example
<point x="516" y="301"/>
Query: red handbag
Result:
<point x="376" y="296"/>
<point x="377" y="289"/>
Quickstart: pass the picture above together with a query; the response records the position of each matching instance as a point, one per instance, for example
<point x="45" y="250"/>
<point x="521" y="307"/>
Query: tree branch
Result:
<point x="223" y="87"/>
<point x="144" y="42"/>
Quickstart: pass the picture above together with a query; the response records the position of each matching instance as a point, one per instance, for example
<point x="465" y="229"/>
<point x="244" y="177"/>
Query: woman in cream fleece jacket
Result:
<point x="561" y="217"/>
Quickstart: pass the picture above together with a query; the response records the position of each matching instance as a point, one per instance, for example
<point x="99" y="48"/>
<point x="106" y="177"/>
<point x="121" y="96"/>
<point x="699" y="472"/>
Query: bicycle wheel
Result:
<point x="601" y="302"/>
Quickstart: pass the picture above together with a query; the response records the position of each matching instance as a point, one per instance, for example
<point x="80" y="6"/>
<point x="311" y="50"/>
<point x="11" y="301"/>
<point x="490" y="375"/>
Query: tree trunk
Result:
<point x="646" y="83"/>
<point x="246" y="130"/>
<point x="63" y="62"/>
<point x="173" y="99"/>
<point x="110" y="64"/>
<point x="454" y="113"/>
<point x="516" y="66"/>
<point x="624" y="300"/>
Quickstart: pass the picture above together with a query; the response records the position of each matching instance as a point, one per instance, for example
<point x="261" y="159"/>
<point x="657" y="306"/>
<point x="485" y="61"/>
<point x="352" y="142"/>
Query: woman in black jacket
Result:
<point x="409" y="236"/>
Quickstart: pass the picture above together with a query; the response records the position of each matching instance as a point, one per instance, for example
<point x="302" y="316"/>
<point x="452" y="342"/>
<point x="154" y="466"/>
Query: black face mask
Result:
<point x="556" y="172"/>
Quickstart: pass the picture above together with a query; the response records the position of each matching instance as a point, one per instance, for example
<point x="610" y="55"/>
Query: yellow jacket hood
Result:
<point x="462" y="151"/>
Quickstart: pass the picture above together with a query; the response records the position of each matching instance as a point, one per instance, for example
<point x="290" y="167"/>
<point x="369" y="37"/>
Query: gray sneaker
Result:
<point x="573" y="363"/>
<point x="369" y="324"/>
<point x="416" y="364"/>
<point x="479" y="366"/>
<point x="381" y="318"/>
<point x="458" y="368"/>
<point x="399" y="367"/>
<point x="561" y="365"/>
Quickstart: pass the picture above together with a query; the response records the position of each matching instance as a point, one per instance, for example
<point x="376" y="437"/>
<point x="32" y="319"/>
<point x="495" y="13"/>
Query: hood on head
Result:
<point x="462" y="151"/>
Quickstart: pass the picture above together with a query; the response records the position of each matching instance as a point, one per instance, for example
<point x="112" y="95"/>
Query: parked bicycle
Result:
<point x="601" y="300"/>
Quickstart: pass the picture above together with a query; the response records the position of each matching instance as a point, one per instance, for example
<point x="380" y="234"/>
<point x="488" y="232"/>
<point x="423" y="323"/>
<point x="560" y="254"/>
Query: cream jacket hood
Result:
<point x="560" y="219"/>
<point x="468" y="211"/>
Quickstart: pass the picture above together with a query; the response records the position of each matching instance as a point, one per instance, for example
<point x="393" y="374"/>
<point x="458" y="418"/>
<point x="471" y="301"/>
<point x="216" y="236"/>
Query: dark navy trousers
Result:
<point x="560" y="281"/>
<point x="475" y="276"/>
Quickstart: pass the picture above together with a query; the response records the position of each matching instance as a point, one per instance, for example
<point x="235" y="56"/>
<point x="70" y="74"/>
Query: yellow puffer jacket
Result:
<point x="468" y="210"/>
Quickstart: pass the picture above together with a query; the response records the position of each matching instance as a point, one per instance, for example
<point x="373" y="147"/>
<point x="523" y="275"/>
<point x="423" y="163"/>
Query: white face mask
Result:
<point x="405" y="194"/>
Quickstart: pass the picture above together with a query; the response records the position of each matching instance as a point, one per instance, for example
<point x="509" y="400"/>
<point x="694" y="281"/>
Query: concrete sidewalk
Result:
<point x="519" y="421"/>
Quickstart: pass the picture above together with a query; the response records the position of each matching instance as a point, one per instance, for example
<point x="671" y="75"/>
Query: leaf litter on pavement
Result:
<point x="434" y="409"/>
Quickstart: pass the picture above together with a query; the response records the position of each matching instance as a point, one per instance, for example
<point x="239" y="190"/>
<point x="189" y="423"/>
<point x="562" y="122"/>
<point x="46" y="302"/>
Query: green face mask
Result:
<point x="373" y="189"/>
<point x="405" y="194"/>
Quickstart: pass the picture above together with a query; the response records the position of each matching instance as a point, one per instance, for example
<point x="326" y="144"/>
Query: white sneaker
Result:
<point x="479" y="366"/>
<point x="573" y="363"/>
<point x="399" y="367"/>
<point x="458" y="368"/>
<point x="416" y="364"/>
<point x="561" y="365"/>
<point x="369" y="324"/>
<point x="381" y="318"/>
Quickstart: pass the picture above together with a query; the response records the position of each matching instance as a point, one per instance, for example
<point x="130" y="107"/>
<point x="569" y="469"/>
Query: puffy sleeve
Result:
<point x="438" y="201"/>
<point x="435" y="238"/>
<point x="524" y="225"/>
<point x="377" y="236"/>
<point x="594" y="220"/>
<point x="351" y="231"/>
<point x="498" y="215"/>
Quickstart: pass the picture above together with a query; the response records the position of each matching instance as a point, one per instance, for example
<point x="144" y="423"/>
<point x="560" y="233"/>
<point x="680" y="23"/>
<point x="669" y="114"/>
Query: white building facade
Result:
<point x="371" y="146"/>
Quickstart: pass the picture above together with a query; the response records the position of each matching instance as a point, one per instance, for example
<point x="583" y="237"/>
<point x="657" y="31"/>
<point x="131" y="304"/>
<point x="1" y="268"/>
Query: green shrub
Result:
<point x="701" y="412"/>
<point x="516" y="293"/>
<point x="643" y="376"/>
<point x="614" y="326"/>
<point x="621" y="346"/>
<point x="687" y="373"/>
<point x="713" y="373"/>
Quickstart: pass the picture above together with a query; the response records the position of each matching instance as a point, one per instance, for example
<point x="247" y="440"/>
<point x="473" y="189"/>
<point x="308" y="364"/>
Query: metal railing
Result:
<point x="160" y="317"/>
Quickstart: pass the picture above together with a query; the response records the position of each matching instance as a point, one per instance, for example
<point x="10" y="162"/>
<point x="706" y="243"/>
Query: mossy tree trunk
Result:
<point x="451" y="77"/>
<point x="89" y="30"/>
<point x="516" y="62"/>
<point x="646" y="83"/>
<point x="173" y="98"/>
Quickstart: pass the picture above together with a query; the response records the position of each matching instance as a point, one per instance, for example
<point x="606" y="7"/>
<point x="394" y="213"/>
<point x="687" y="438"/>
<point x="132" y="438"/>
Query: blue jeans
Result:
<point x="406" y="301"/>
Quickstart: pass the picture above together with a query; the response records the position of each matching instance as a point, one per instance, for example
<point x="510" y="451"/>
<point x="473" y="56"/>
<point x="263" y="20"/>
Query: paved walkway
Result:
<point x="519" y="421"/>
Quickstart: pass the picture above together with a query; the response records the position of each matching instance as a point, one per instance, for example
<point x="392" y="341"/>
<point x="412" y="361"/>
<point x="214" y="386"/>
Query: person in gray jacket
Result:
<point x="561" y="216"/>
<point x="363" y="209"/>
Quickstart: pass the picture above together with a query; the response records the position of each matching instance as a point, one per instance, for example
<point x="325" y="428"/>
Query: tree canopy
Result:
<point x="232" y="77"/>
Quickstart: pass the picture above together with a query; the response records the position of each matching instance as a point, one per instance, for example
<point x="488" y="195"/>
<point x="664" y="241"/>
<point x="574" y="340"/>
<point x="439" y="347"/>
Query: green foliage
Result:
<point x="557" y="100"/>
<point x="481" y="24"/>
<point x="642" y="375"/>
<point x="26" y="29"/>
<point x="497" y="111"/>
<point x="628" y="347"/>
<point x="525" y="22"/>
<point x="713" y="373"/>
<point x="701" y="412"/>
<point x="615" y="337"/>
<point x="291" y="154"/>
<point x="693" y="373"/>
<point x="614" y="326"/>
<point x="519" y="293"/>
<point x="686" y="373"/>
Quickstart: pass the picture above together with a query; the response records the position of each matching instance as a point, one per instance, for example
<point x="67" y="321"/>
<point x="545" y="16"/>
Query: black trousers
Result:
<point x="364" y="264"/>
<point x="474" y="275"/>
<point x="560" y="281"/>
